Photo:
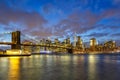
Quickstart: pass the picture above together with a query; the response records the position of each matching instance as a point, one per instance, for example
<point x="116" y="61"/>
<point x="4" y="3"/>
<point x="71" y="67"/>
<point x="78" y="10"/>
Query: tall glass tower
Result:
<point x="75" y="40"/>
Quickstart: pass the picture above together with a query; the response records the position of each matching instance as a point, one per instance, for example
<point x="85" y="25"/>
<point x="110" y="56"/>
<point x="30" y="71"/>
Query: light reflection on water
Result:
<point x="14" y="68"/>
<point x="60" y="67"/>
<point x="92" y="67"/>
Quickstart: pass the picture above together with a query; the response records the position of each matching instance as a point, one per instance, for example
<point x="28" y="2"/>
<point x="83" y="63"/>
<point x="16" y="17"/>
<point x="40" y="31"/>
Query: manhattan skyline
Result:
<point x="61" y="19"/>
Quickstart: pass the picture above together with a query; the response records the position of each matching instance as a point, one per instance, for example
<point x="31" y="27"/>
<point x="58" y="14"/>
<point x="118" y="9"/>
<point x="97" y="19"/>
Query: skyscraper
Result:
<point x="93" y="44"/>
<point x="79" y="43"/>
<point x="75" y="40"/>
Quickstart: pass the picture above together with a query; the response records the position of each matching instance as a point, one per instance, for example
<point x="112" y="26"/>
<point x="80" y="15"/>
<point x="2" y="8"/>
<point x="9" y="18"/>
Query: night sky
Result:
<point x="62" y="18"/>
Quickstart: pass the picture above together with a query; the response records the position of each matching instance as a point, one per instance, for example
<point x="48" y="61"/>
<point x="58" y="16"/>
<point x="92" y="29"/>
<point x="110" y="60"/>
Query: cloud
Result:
<point x="48" y="8"/>
<point x="32" y="23"/>
<point x="82" y="17"/>
<point x="29" y="19"/>
<point x="96" y="35"/>
<point x="116" y="35"/>
<point x="78" y="22"/>
<point x="116" y="2"/>
<point x="86" y="21"/>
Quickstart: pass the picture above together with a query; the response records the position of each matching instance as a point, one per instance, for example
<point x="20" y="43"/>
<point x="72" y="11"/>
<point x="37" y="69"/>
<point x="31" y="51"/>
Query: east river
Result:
<point x="60" y="67"/>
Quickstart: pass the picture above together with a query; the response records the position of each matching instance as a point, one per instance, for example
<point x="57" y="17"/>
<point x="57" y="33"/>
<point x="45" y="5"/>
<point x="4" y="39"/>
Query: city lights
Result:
<point x="48" y="46"/>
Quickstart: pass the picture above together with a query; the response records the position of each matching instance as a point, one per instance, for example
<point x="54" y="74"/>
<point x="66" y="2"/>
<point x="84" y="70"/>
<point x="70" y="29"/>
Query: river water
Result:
<point x="60" y="67"/>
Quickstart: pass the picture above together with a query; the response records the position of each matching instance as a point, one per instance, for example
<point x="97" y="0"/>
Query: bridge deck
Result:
<point x="9" y="43"/>
<point x="6" y="43"/>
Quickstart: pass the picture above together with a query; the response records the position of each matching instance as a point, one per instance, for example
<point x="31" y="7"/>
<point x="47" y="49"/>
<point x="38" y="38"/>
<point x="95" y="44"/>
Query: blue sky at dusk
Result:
<point x="62" y="18"/>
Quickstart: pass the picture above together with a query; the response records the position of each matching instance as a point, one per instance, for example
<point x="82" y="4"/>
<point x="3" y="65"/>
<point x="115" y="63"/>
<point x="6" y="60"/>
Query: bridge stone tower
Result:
<point x="16" y="40"/>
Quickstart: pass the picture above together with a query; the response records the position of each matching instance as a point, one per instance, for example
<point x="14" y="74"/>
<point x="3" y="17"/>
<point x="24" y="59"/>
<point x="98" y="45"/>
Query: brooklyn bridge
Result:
<point x="16" y="44"/>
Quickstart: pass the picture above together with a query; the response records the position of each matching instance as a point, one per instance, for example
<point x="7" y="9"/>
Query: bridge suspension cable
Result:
<point x="5" y="37"/>
<point x="29" y="38"/>
<point x="5" y="33"/>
